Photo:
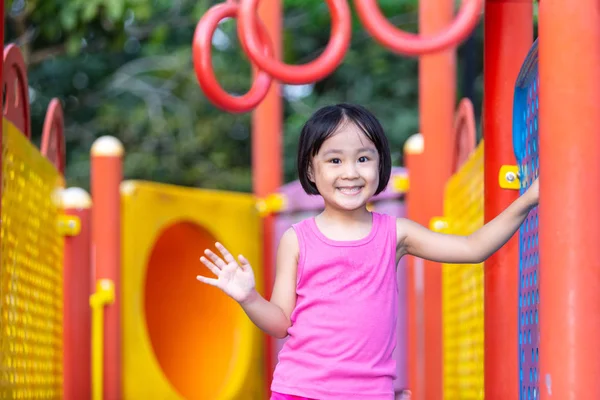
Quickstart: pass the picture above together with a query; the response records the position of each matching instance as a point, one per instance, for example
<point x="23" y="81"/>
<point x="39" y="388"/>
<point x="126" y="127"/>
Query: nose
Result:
<point x="350" y="171"/>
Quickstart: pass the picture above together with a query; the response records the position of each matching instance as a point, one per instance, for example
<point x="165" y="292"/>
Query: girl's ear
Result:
<point x="310" y="173"/>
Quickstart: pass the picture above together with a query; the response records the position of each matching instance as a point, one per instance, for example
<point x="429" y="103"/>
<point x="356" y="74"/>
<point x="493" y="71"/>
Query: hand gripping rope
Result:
<point x="257" y="46"/>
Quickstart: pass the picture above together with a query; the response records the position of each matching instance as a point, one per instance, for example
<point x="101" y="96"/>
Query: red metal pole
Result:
<point x="508" y="36"/>
<point x="107" y="174"/>
<point x="569" y="232"/>
<point x="437" y="97"/>
<point x="77" y="283"/>
<point x="267" y="160"/>
<point x="413" y="156"/>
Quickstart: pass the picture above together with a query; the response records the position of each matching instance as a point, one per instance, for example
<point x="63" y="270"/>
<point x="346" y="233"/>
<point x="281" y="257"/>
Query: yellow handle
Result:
<point x="401" y="183"/>
<point x="273" y="203"/>
<point x="105" y="294"/>
<point x="508" y="177"/>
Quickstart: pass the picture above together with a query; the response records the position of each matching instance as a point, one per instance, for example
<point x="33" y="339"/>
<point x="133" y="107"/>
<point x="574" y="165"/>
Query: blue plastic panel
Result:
<point x="526" y="145"/>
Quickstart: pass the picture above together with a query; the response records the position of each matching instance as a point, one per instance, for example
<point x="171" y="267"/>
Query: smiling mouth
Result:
<point x="350" y="190"/>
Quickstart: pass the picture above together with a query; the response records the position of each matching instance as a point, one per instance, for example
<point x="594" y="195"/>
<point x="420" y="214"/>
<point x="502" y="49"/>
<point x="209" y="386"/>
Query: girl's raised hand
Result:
<point x="236" y="280"/>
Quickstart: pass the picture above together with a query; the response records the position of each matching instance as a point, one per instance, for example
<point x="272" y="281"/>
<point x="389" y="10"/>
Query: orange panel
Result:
<point x="173" y="322"/>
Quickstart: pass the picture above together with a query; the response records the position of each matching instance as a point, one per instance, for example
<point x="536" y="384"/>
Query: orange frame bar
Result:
<point x="267" y="162"/>
<point x="414" y="162"/>
<point x="508" y="36"/>
<point x="569" y="215"/>
<point x="437" y="98"/>
<point x="77" y="290"/>
<point x="106" y="177"/>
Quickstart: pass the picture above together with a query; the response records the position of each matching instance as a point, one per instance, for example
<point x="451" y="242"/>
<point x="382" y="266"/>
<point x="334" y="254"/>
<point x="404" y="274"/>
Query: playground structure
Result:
<point x="97" y="293"/>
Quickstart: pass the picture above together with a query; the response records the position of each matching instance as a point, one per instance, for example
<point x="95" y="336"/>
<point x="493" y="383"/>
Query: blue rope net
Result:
<point x="526" y="147"/>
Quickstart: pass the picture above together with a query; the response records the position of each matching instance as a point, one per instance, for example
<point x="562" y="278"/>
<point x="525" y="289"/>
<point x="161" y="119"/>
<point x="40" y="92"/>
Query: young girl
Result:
<point x="335" y="289"/>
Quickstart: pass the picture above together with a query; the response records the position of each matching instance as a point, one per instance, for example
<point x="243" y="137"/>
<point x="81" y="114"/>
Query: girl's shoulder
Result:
<point x="303" y="227"/>
<point x="390" y="221"/>
<point x="289" y="238"/>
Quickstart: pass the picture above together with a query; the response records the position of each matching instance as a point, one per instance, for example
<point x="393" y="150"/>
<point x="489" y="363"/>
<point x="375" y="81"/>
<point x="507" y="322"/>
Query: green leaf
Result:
<point x="115" y="9"/>
<point x="90" y="10"/>
<point x="68" y="18"/>
<point x="73" y="44"/>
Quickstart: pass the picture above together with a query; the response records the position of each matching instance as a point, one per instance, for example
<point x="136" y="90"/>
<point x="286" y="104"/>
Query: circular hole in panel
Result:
<point x="191" y="325"/>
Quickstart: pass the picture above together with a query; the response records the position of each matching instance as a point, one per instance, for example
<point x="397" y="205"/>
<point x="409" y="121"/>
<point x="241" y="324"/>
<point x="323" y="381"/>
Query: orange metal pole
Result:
<point x="77" y="290"/>
<point x="106" y="177"/>
<point x="437" y="97"/>
<point x="569" y="232"/>
<point x="267" y="161"/>
<point x="413" y="160"/>
<point x="508" y="36"/>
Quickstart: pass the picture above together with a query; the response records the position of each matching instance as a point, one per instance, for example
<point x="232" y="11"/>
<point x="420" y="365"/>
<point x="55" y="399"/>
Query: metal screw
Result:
<point x="511" y="176"/>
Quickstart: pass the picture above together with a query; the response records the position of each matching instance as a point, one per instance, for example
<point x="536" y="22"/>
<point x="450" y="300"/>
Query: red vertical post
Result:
<point x="413" y="156"/>
<point x="437" y="97"/>
<point x="267" y="160"/>
<point x="508" y="36"/>
<point x="569" y="232"/>
<point x="106" y="177"/>
<point x="77" y="290"/>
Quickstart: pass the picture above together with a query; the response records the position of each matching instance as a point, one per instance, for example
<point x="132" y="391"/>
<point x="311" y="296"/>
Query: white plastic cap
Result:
<point x="107" y="146"/>
<point x="414" y="144"/>
<point x="75" y="197"/>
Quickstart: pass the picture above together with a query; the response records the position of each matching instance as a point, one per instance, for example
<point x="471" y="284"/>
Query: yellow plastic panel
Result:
<point x="31" y="278"/>
<point x="463" y="289"/>
<point x="183" y="339"/>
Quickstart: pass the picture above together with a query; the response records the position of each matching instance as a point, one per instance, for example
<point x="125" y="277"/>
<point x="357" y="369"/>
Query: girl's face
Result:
<point x="346" y="168"/>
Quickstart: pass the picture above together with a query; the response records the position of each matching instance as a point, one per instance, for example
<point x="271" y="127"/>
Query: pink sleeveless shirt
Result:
<point x="343" y="328"/>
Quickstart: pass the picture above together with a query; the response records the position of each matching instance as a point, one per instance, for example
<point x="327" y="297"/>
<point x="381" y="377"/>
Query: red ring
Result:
<point x="413" y="45"/>
<point x="202" y="57"/>
<point x="325" y="64"/>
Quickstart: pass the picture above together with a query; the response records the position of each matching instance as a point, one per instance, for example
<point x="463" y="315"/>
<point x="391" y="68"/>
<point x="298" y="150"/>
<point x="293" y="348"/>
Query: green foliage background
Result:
<point x="123" y="68"/>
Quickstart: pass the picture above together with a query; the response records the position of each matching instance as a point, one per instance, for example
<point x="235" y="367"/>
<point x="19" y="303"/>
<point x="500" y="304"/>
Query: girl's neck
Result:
<point x="336" y="216"/>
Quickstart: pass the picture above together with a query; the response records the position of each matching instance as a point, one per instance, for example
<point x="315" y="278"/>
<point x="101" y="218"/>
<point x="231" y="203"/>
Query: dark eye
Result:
<point x="363" y="159"/>
<point x="335" y="161"/>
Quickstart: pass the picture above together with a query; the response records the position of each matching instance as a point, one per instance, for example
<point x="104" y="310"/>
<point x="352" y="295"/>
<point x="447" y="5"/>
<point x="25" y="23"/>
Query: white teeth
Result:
<point x="352" y="190"/>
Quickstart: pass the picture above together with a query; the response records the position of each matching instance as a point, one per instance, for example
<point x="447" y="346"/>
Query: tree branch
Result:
<point x="41" y="55"/>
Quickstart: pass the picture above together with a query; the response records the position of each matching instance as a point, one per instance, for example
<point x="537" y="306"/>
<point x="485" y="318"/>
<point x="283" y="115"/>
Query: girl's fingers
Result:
<point x="243" y="262"/>
<point x="208" y="281"/>
<point x="213" y="268"/>
<point x="226" y="254"/>
<point x="215" y="259"/>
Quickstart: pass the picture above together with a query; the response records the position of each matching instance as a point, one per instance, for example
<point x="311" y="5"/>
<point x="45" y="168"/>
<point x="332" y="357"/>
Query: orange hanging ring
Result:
<point x="202" y="58"/>
<point x="410" y="44"/>
<point x="325" y="64"/>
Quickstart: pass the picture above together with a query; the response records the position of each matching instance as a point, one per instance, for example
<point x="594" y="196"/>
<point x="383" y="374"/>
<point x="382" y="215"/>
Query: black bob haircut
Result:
<point x="324" y="123"/>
